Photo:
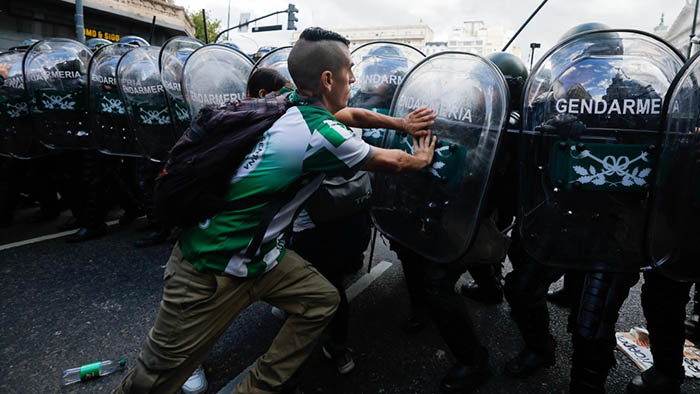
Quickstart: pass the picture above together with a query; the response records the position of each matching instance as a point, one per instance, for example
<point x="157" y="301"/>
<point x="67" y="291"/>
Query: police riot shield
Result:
<point x="591" y="113"/>
<point x="55" y="75"/>
<point x="147" y="108"/>
<point x="215" y="74"/>
<point x="379" y="68"/>
<point x="172" y="59"/>
<point x="17" y="138"/>
<point x="108" y="118"/>
<point x="434" y="212"/>
<point x="276" y="60"/>
<point x="672" y="235"/>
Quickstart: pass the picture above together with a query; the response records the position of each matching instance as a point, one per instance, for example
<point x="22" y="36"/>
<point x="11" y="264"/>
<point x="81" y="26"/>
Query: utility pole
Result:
<point x="228" y="19"/>
<point x="79" y="24"/>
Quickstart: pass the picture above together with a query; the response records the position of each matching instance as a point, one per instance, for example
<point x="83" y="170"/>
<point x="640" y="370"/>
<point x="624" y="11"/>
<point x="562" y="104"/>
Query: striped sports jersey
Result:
<point x="306" y="142"/>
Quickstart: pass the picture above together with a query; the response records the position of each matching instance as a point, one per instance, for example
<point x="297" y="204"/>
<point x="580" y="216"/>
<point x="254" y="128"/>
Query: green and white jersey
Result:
<point x="306" y="140"/>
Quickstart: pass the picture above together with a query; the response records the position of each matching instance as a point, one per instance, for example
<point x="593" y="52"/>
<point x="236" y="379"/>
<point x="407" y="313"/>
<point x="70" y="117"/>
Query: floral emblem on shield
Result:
<point x="611" y="168"/>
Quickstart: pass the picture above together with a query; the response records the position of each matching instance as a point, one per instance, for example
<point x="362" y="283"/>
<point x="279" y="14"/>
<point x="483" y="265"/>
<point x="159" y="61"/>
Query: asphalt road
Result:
<point x="64" y="305"/>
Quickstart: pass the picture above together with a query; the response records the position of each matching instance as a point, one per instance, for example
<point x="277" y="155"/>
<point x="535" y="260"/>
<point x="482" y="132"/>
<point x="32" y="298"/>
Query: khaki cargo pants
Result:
<point x="197" y="308"/>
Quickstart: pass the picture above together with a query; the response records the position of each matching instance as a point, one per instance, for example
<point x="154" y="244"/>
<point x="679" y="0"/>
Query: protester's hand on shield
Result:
<point x="424" y="148"/>
<point x="4" y="70"/>
<point x="417" y="122"/>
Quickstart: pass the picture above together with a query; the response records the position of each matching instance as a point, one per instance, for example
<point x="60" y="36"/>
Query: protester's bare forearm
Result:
<point x="395" y="160"/>
<point x="366" y="119"/>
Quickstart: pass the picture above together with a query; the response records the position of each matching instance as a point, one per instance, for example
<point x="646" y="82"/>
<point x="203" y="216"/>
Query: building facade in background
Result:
<point x="477" y="37"/>
<point x="678" y="33"/>
<point x="415" y="35"/>
<point x="109" y="19"/>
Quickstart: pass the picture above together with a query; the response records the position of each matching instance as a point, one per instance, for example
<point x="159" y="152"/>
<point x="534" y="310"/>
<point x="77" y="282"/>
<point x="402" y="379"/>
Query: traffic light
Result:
<point x="291" y="18"/>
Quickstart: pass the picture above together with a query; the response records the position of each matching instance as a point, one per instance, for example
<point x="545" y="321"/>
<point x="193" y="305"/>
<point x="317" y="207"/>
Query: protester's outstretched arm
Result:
<point x="414" y="123"/>
<point x="396" y="160"/>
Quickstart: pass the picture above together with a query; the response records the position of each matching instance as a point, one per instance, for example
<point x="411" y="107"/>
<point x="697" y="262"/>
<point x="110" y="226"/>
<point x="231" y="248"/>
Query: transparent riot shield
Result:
<point x="276" y="60"/>
<point x="592" y="111"/>
<point x="55" y="75"/>
<point x="173" y="55"/>
<point x="435" y="212"/>
<point x="108" y="118"/>
<point x="379" y="68"/>
<point x="672" y="235"/>
<point x="146" y="102"/>
<point x="215" y="74"/>
<point x="17" y="138"/>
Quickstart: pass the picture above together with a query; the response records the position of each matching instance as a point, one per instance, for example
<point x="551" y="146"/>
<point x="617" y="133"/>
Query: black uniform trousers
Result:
<point x="431" y="288"/>
<point x="332" y="248"/>
<point x="664" y="301"/>
<point x="597" y="299"/>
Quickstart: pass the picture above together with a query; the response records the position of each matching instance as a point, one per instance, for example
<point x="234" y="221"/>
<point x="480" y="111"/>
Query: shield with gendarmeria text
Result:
<point x="147" y="107"/>
<point x="55" y="75"/>
<point x="435" y="211"/>
<point x="592" y="111"/>
<point x="173" y="55"/>
<point x="108" y="118"/>
<point x="672" y="236"/>
<point x="214" y="75"/>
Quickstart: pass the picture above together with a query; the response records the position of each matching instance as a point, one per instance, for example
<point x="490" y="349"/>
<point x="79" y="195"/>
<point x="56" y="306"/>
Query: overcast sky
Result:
<point x="549" y="24"/>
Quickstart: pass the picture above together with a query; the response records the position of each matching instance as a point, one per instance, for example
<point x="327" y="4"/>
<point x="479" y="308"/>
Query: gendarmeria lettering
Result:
<point x="613" y="107"/>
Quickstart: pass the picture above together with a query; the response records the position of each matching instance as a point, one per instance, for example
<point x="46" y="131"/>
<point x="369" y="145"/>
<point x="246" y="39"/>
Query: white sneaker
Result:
<point x="197" y="383"/>
<point x="343" y="360"/>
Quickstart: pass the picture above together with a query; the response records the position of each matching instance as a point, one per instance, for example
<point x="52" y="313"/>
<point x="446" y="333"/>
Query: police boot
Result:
<point x="151" y="238"/>
<point x="591" y="363"/>
<point x="464" y="378"/>
<point x="531" y="359"/>
<point x="587" y="379"/>
<point x="563" y="296"/>
<point x="560" y="297"/>
<point x="486" y="287"/>
<point x="87" y="233"/>
<point x="652" y="381"/>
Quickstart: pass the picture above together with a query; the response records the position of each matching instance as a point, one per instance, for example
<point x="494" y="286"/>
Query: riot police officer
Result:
<point x="599" y="288"/>
<point x="487" y="286"/>
<point x="672" y="237"/>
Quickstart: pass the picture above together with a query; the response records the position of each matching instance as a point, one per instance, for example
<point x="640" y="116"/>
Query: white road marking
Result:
<point x="353" y="291"/>
<point x="45" y="238"/>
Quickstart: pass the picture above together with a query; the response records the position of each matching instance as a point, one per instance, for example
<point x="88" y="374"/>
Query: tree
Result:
<point x="212" y="25"/>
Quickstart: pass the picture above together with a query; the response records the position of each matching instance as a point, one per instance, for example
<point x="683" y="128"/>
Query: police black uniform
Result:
<point x="598" y="295"/>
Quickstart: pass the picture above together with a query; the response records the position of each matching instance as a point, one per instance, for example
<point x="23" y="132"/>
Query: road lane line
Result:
<point x="46" y="237"/>
<point x="358" y="287"/>
<point x="351" y="292"/>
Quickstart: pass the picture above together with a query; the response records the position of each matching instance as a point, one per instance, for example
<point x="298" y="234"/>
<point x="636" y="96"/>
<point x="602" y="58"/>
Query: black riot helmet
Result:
<point x="583" y="27"/>
<point x="516" y="74"/>
<point x="96" y="43"/>
<point x="134" y="40"/>
<point x="608" y="43"/>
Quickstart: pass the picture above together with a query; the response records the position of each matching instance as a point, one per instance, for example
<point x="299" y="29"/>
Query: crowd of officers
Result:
<point x="90" y="185"/>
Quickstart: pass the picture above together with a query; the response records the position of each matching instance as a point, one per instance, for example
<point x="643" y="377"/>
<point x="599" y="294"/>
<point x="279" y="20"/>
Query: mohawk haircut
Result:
<point x="316" y="51"/>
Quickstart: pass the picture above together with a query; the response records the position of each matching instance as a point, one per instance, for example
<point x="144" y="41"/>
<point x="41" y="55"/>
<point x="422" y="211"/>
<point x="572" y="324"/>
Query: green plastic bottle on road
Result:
<point x="93" y="370"/>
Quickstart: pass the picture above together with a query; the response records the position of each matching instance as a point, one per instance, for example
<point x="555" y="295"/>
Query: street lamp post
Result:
<point x="533" y="46"/>
<point x="228" y="19"/>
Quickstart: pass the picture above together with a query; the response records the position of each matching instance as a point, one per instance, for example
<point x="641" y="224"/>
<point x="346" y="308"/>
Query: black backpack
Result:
<point x="192" y="185"/>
